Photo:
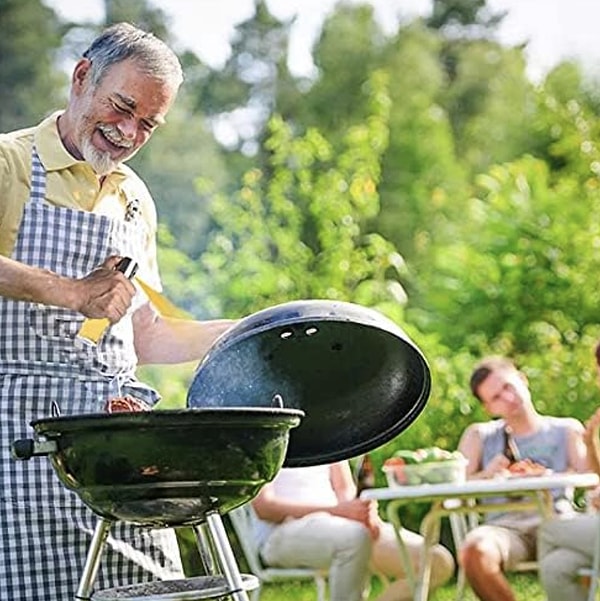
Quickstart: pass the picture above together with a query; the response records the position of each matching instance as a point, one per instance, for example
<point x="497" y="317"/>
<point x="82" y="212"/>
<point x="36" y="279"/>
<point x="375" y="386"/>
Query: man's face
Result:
<point x="504" y="392"/>
<point x="115" y="118"/>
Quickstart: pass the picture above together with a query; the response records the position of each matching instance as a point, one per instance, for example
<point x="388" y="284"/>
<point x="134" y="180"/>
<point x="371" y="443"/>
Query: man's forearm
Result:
<point x="160" y="340"/>
<point x="26" y="283"/>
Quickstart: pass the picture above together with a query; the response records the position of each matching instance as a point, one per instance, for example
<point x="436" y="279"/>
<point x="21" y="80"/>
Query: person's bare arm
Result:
<point x="342" y="481"/>
<point x="471" y="447"/>
<point x="105" y="292"/>
<point x="345" y="490"/>
<point x="576" y="449"/>
<point x="275" y="508"/>
<point x="591" y="441"/>
<point x="163" y="340"/>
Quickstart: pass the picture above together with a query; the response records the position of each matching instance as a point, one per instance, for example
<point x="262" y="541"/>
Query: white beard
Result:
<point x="101" y="162"/>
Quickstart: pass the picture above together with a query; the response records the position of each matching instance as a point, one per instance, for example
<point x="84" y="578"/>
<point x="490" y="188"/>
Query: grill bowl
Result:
<point x="168" y="468"/>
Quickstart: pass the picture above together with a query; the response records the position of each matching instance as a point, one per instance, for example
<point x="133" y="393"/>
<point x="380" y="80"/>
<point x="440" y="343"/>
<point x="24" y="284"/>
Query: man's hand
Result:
<point x="105" y="292"/>
<point x="497" y="466"/>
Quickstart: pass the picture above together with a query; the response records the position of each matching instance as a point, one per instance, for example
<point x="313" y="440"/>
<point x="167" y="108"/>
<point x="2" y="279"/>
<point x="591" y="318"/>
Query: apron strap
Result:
<point x="38" y="178"/>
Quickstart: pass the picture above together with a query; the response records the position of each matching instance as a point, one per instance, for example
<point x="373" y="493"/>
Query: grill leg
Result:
<point x="92" y="561"/>
<point x="225" y="556"/>
<point x="205" y="549"/>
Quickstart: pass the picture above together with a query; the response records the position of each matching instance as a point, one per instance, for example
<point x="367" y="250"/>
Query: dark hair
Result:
<point x="597" y="353"/>
<point x="123" y="41"/>
<point x="484" y="368"/>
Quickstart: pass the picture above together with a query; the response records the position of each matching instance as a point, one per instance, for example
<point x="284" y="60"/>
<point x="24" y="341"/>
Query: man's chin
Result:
<point x="104" y="168"/>
<point x="101" y="163"/>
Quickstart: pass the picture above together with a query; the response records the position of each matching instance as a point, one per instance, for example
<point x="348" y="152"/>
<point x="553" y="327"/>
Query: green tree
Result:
<point x="441" y="128"/>
<point x="299" y="233"/>
<point x="423" y="178"/>
<point x="491" y="104"/>
<point x="452" y="14"/>
<point x="30" y="83"/>
<point x="140" y="12"/>
<point x="347" y="51"/>
<point x="247" y="84"/>
<point x="518" y="269"/>
<point x="567" y="124"/>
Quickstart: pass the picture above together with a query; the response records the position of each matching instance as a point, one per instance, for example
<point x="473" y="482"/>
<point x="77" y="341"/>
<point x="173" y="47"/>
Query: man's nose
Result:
<point x="128" y="128"/>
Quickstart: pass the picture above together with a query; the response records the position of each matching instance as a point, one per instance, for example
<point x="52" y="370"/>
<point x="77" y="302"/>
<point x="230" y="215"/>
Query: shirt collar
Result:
<point x="52" y="152"/>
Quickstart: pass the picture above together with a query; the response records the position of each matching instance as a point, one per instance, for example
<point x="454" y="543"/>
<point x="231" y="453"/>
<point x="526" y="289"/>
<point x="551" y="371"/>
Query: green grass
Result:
<point x="526" y="586"/>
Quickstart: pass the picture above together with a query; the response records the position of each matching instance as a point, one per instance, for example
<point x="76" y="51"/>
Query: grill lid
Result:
<point x="356" y="374"/>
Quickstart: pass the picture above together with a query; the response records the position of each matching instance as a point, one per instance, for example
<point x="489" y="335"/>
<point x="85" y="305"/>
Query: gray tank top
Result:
<point x="548" y="446"/>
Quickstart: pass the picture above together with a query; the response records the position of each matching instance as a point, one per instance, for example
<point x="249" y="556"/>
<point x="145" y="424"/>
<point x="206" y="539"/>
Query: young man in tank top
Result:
<point x="506" y="539"/>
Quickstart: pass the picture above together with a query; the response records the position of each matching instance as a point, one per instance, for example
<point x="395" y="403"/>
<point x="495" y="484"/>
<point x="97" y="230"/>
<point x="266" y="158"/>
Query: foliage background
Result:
<point x="420" y="173"/>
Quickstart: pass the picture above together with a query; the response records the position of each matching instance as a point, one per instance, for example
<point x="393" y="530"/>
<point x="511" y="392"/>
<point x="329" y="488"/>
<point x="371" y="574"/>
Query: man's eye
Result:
<point x="120" y="108"/>
<point x="148" y="126"/>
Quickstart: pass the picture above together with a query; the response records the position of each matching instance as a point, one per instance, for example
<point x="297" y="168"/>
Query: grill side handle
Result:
<point x="26" y="448"/>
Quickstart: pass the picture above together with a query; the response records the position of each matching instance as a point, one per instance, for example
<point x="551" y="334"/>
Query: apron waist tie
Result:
<point x="60" y="370"/>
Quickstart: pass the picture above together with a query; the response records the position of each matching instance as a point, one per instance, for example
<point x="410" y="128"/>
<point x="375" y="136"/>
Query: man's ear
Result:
<point x="81" y="75"/>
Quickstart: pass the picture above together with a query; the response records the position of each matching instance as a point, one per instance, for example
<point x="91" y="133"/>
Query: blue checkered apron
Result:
<point x="45" y="529"/>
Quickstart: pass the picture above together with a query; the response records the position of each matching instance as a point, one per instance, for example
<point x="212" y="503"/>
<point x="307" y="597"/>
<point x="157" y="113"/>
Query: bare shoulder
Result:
<point x="473" y="431"/>
<point x="572" y="424"/>
<point x="471" y="438"/>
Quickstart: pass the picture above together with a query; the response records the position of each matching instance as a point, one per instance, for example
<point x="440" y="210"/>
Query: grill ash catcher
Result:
<point x="303" y="383"/>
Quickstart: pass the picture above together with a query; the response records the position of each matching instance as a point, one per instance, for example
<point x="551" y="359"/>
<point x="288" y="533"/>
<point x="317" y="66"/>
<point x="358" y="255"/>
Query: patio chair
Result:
<point x="241" y="520"/>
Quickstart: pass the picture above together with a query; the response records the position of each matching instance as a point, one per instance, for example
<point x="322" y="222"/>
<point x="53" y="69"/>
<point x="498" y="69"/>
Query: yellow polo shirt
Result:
<point x="69" y="183"/>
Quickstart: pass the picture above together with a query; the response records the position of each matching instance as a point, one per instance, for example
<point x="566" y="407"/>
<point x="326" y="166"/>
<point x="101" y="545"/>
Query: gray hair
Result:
<point x="124" y="41"/>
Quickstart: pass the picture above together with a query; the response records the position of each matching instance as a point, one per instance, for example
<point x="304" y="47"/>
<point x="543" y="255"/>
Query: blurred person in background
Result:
<point x="311" y="517"/>
<point x="567" y="544"/>
<point x="517" y="436"/>
<point x="70" y="210"/>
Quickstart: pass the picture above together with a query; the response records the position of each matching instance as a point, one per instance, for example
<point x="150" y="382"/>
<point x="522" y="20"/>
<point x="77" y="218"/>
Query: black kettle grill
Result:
<point x="302" y="383"/>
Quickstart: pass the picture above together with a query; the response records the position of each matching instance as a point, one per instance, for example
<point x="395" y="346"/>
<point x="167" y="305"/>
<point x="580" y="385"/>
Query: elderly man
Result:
<point x="70" y="210"/>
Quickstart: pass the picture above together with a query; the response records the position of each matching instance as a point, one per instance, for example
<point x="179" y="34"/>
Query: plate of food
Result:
<point x="525" y="468"/>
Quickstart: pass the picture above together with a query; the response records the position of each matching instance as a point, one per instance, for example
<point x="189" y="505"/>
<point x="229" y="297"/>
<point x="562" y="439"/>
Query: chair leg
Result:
<point x="460" y="584"/>
<point x="255" y="594"/>
<point x="321" y="588"/>
<point x="593" y="588"/>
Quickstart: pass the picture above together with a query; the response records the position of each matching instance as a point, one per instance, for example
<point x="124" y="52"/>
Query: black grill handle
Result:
<point x="26" y="448"/>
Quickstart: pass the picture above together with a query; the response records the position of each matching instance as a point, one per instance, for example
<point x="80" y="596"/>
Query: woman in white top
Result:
<point x="311" y="516"/>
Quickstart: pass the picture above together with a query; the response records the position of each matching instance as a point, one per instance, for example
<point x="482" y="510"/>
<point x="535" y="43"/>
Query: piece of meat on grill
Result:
<point x="127" y="403"/>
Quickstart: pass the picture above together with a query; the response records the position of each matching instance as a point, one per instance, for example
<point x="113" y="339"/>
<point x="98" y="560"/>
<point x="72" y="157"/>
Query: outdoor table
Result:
<point x="523" y="494"/>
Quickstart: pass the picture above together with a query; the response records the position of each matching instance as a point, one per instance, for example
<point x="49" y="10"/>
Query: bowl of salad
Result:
<point x="425" y="466"/>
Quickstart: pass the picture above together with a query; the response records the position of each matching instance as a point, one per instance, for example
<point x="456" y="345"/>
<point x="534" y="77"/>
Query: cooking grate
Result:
<point x="188" y="589"/>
